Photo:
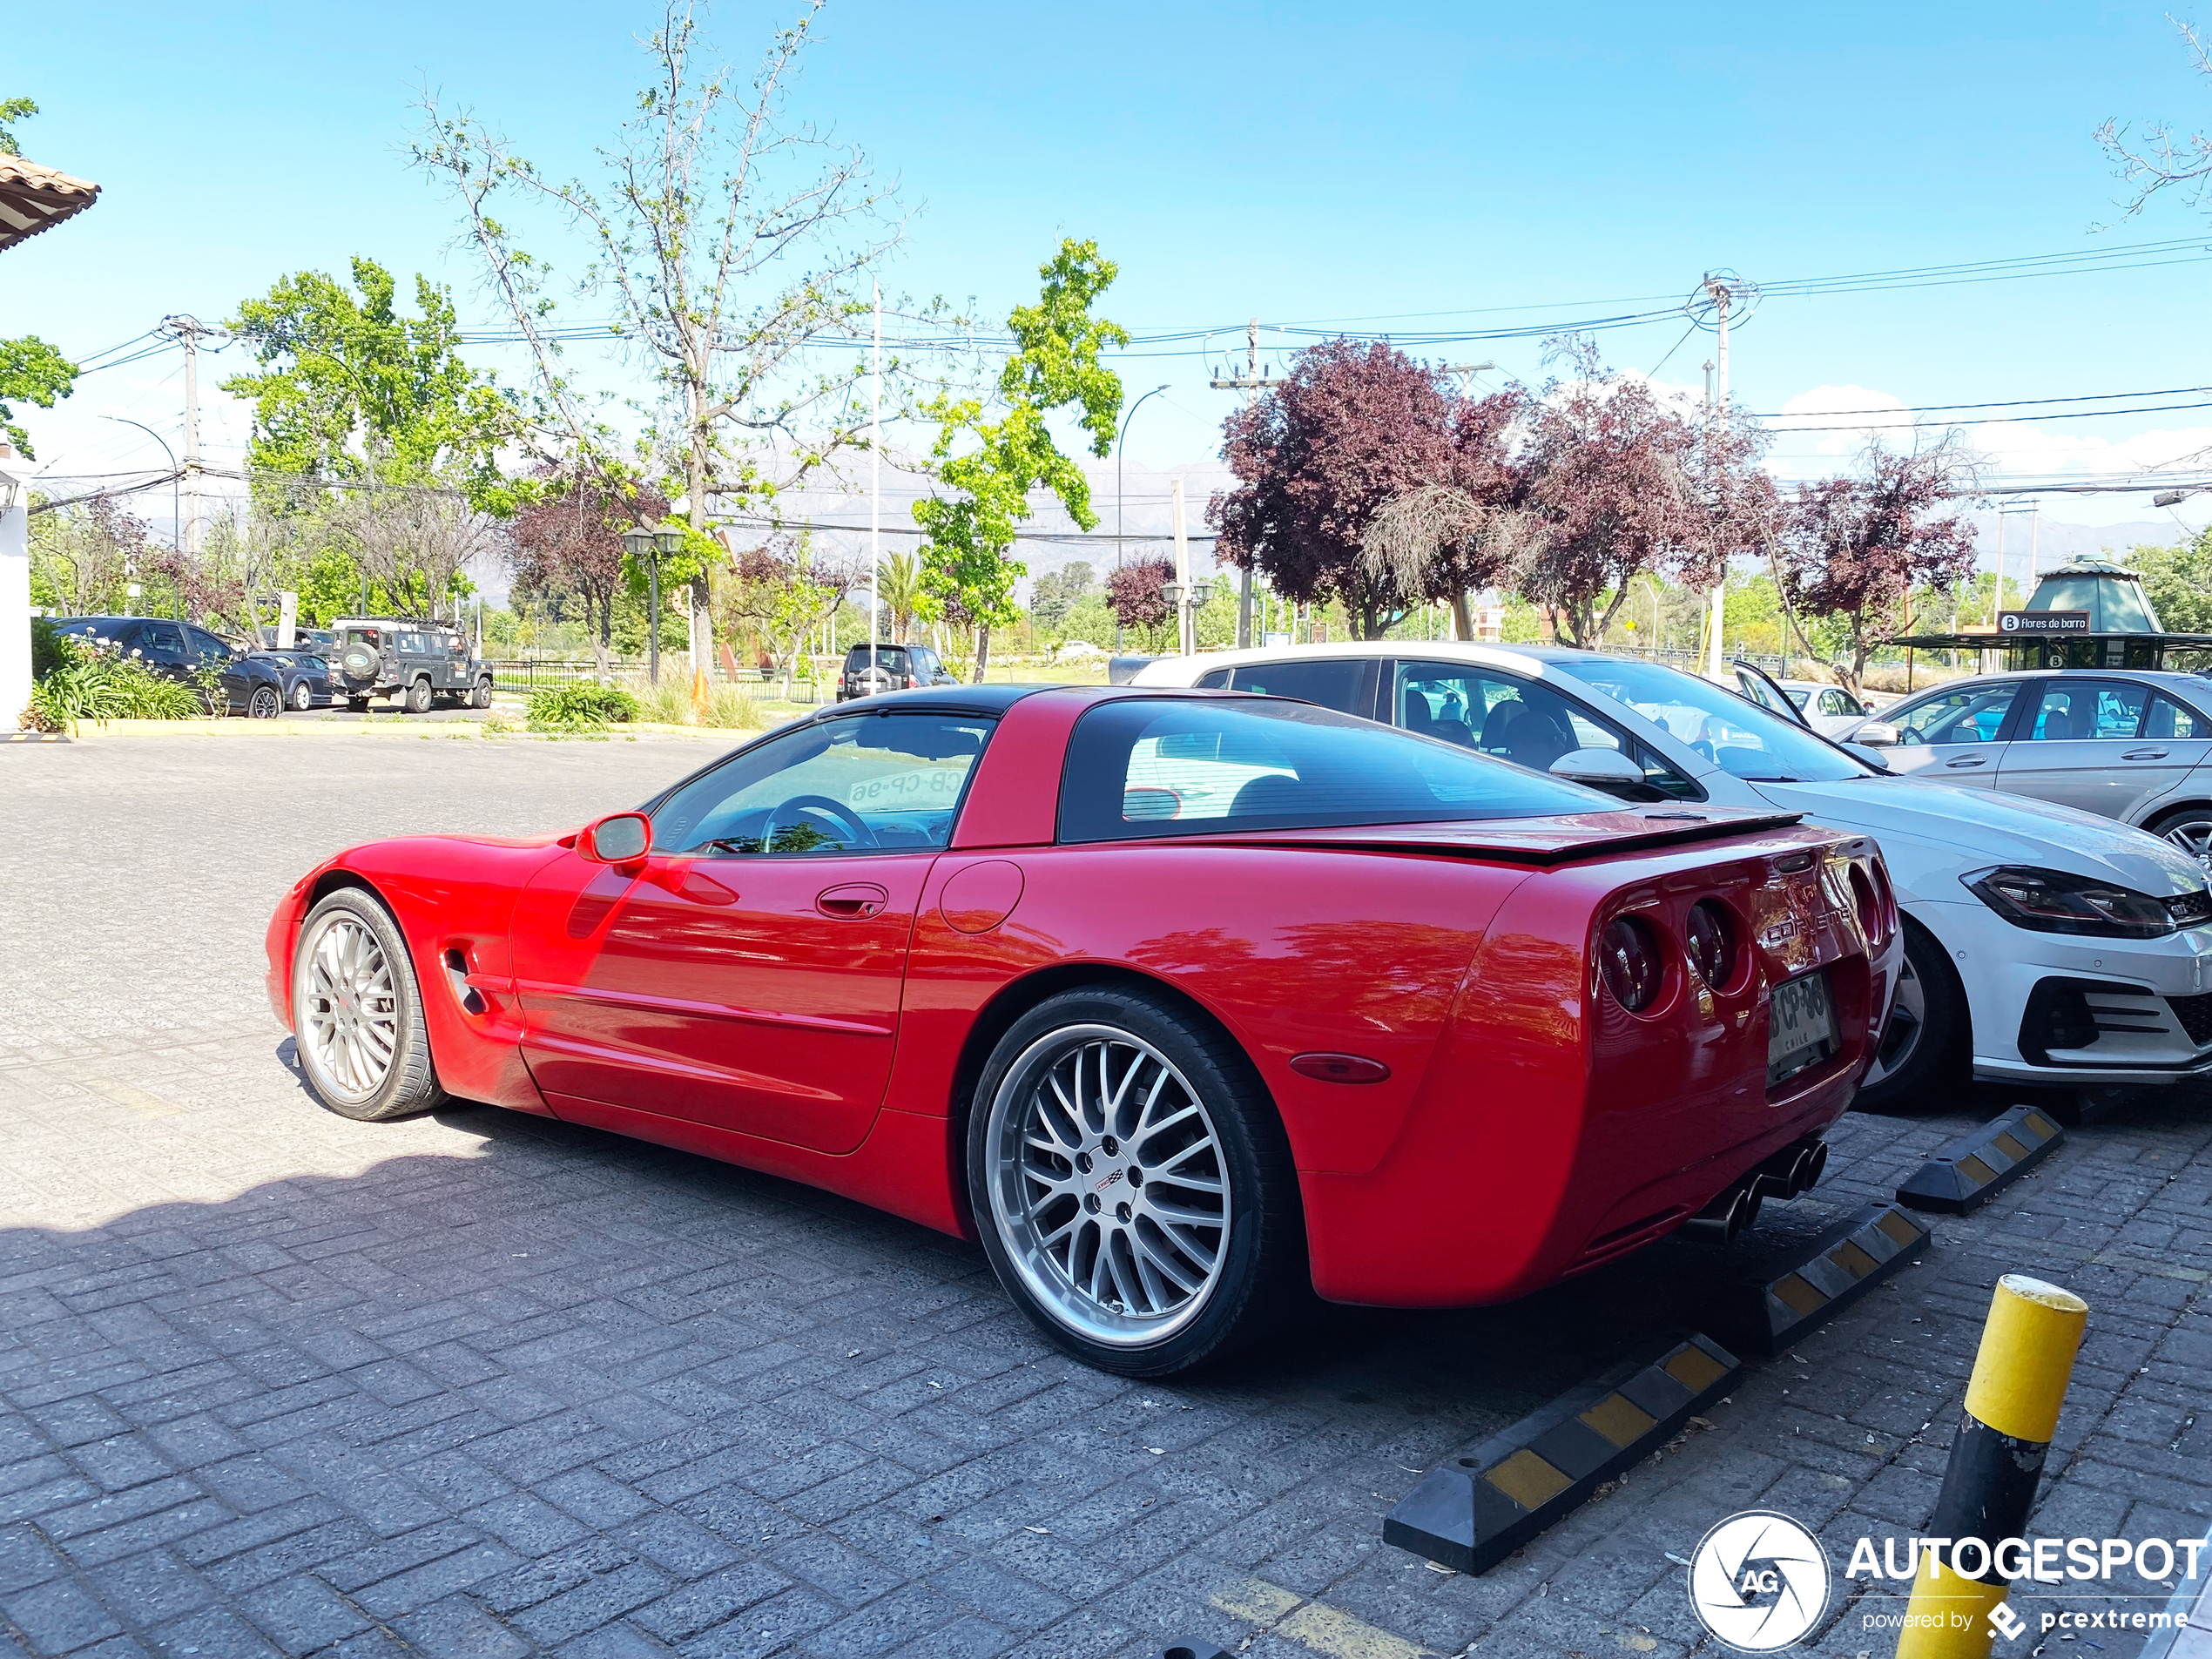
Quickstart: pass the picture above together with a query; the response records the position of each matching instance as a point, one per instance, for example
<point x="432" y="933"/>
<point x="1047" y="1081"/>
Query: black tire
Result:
<point x="1260" y="1270"/>
<point x="418" y="697"/>
<point x="480" y="697"/>
<point x="303" y="696"/>
<point x="408" y="1083"/>
<point x="264" y="704"/>
<point x="2188" y="828"/>
<point x="1926" y="1056"/>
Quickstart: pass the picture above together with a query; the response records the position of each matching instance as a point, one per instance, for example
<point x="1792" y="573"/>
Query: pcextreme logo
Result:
<point x="1759" y="1582"/>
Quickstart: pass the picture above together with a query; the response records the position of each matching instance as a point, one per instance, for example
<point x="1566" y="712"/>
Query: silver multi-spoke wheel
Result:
<point x="1908" y="1024"/>
<point x="350" y="1009"/>
<point x="2193" y="834"/>
<point x="1108" y="1184"/>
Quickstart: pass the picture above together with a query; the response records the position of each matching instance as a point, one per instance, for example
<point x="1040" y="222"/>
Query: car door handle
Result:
<point x="2144" y="754"/>
<point x="856" y="900"/>
<point x="1967" y="760"/>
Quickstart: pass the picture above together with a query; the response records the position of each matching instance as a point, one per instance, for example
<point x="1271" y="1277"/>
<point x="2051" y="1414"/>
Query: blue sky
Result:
<point x="1301" y="163"/>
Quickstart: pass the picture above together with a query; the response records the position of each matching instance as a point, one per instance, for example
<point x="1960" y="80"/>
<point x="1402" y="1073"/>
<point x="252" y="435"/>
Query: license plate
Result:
<point x="1801" y="1027"/>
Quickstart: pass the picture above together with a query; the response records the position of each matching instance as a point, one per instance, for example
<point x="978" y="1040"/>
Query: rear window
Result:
<point x="1170" y="766"/>
<point x="890" y="657"/>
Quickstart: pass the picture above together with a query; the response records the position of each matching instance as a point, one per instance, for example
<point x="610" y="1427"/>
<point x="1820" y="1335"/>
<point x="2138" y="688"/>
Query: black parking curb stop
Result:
<point x="1873" y="1245"/>
<point x="1191" y="1651"/>
<point x="1966" y="1174"/>
<point x="1478" y="1509"/>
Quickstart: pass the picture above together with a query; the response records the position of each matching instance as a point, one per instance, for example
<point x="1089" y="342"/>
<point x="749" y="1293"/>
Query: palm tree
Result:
<point x="898" y="586"/>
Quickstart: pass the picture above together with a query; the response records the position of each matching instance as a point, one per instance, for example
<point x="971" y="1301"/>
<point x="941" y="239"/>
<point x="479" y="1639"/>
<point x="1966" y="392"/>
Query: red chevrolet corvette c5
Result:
<point x="1174" y="1000"/>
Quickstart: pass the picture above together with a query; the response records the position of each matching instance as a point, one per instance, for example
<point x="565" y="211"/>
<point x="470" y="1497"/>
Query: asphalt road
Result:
<point x="480" y="1384"/>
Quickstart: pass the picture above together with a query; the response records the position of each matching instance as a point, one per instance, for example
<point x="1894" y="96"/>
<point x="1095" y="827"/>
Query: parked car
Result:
<point x="2129" y="743"/>
<point x="251" y="685"/>
<point x="2044" y="946"/>
<point x="1139" y="988"/>
<point x="891" y="668"/>
<point x="305" y="678"/>
<point x="416" y="664"/>
<point x="1830" y="710"/>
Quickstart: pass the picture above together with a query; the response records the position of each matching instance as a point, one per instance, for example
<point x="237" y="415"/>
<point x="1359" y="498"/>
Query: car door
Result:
<point x="2105" y="746"/>
<point x="747" y="973"/>
<point x="160" y="646"/>
<point x="1955" y="735"/>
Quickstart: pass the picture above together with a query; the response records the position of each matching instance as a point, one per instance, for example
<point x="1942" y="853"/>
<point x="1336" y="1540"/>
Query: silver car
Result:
<point x="2128" y="744"/>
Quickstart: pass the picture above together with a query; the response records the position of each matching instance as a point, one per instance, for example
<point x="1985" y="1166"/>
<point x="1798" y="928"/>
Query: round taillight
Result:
<point x="1872" y="920"/>
<point x="1711" y="936"/>
<point x="1627" y="955"/>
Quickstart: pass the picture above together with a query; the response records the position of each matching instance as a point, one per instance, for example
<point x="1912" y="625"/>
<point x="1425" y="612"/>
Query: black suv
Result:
<point x="897" y="668"/>
<point x="414" y="663"/>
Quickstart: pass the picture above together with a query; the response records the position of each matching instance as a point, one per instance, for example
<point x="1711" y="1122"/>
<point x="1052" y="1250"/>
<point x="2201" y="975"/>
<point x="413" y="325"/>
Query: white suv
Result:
<point x="2043" y="945"/>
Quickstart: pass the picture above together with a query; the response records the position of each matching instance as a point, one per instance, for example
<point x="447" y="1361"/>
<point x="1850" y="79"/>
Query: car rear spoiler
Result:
<point x="1562" y="840"/>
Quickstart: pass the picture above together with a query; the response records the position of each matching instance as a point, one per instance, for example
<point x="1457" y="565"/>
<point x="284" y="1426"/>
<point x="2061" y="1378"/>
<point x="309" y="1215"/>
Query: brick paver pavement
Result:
<point x="486" y="1384"/>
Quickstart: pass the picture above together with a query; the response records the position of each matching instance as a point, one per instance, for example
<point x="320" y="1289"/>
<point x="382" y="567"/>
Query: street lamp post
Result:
<point x="1120" y="513"/>
<point x="641" y="542"/>
<point x="1121" y="510"/>
<point x="176" y="510"/>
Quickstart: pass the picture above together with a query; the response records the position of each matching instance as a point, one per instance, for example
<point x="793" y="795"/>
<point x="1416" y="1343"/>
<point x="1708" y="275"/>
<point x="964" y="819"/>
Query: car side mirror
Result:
<point x="1876" y="734"/>
<point x="1600" y="768"/>
<point x="619" y="838"/>
<point x="1873" y="757"/>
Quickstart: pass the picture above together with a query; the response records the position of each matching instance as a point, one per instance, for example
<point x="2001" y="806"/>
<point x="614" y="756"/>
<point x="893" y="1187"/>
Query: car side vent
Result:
<point x="468" y="996"/>
<point x="2070" y="1014"/>
<point x="2195" y="1015"/>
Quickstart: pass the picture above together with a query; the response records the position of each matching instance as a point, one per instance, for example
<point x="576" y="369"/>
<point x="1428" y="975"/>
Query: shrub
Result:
<point x="670" y="704"/>
<point x="83" y="682"/>
<point x="579" y="705"/>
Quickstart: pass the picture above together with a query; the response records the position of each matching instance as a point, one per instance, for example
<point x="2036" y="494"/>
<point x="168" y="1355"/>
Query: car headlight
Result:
<point x="2052" y="901"/>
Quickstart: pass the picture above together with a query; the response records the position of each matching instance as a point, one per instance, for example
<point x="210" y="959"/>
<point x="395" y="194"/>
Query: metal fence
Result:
<point x="528" y="673"/>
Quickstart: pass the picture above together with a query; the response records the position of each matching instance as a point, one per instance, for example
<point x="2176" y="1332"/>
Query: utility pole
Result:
<point x="188" y="331"/>
<point x="875" y="488"/>
<point x="1251" y="383"/>
<point x="1186" y="623"/>
<point x="1717" y="416"/>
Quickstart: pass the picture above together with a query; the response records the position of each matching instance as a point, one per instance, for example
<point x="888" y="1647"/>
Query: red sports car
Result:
<point x="1178" y="1001"/>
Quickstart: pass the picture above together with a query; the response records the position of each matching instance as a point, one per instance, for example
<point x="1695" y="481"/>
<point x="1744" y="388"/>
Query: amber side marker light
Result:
<point x="1339" y="1068"/>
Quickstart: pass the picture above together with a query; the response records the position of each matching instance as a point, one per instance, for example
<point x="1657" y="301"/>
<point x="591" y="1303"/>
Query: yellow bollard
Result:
<point x="2012" y="1399"/>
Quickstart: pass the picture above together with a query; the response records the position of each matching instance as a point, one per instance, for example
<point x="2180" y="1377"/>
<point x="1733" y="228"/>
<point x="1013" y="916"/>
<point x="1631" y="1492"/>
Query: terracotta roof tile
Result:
<point x="32" y="197"/>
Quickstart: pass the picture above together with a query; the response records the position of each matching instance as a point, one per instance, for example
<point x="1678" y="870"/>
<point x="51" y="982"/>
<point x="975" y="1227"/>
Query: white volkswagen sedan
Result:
<point x="2043" y="945"/>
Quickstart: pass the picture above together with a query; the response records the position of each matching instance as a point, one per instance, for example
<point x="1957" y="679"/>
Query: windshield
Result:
<point x="1756" y="746"/>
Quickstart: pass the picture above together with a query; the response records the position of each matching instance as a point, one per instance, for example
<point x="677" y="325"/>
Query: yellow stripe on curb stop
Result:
<point x="1314" y="1625"/>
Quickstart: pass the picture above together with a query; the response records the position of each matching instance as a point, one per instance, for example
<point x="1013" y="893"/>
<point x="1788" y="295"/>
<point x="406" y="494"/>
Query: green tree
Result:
<point x="728" y="244"/>
<point x="29" y="368"/>
<point x="967" y="577"/>
<point x="11" y="110"/>
<point x="351" y="391"/>
<point x="2178" y="582"/>
<point x="370" y="432"/>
